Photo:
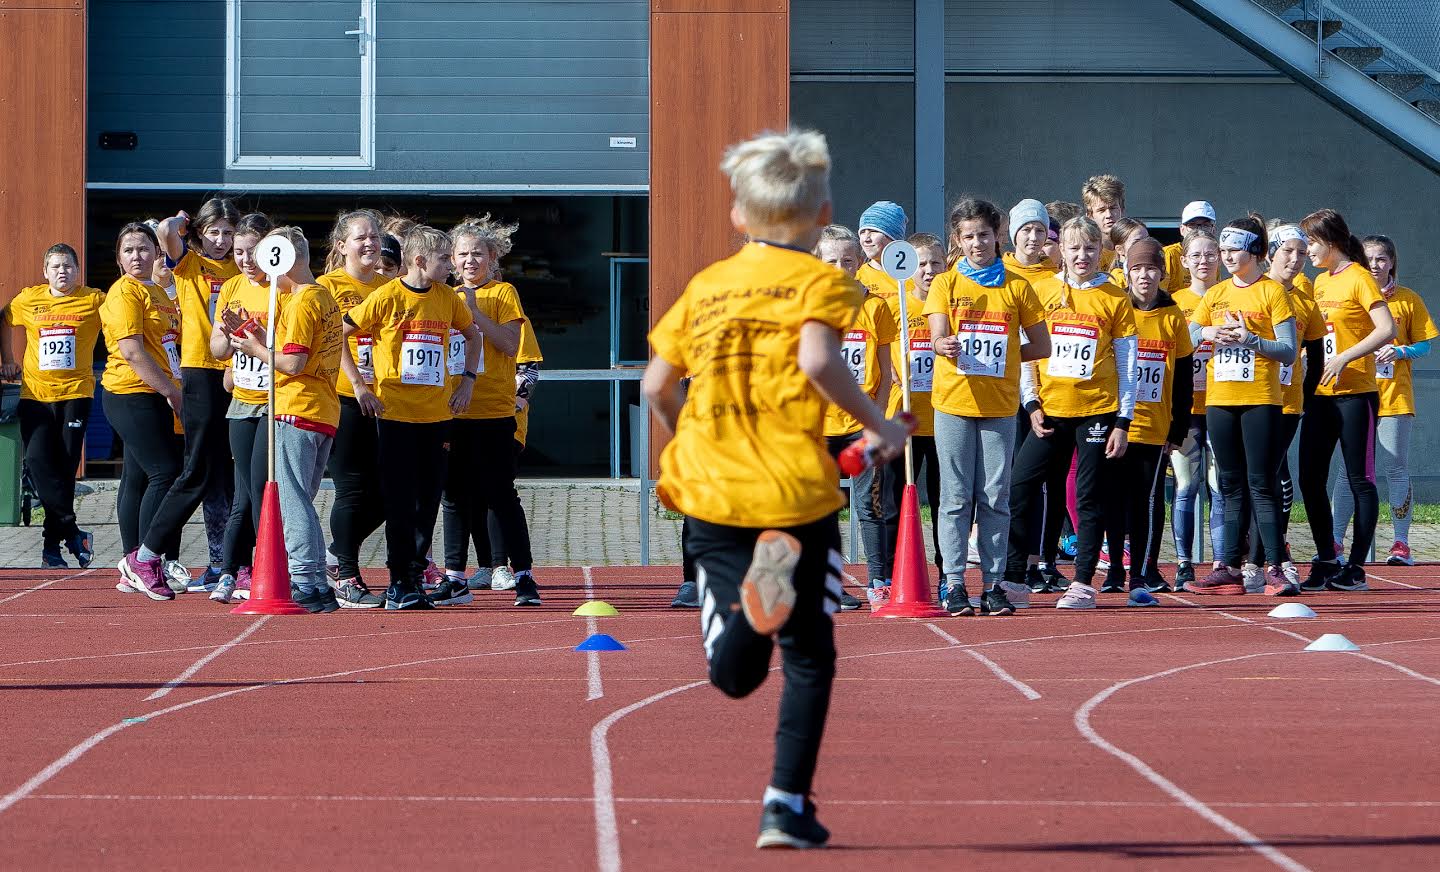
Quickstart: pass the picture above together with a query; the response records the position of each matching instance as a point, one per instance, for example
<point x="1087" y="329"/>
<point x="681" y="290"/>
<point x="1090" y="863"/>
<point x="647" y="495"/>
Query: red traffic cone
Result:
<point x="910" y="593"/>
<point x="270" y="572"/>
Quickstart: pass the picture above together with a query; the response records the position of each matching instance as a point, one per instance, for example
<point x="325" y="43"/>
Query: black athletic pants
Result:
<point x="1048" y="459"/>
<point x="411" y="479"/>
<point x="739" y="658"/>
<point x="359" y="509"/>
<point x="54" y="436"/>
<point x="204" y="401"/>
<point x="1135" y="484"/>
<point x="1247" y="442"/>
<point x="1348" y="421"/>
<point x="1289" y="425"/>
<point x="481" y="479"/>
<point x="927" y="463"/>
<point x="151" y="461"/>
<point x="249" y="443"/>
<point x="490" y="538"/>
<point x="1047" y="516"/>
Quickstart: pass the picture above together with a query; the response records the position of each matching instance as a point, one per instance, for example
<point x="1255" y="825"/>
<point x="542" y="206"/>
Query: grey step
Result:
<point x="1308" y="28"/>
<point x="1429" y="107"/>
<point x="1279" y="7"/>
<point x="1359" y="57"/>
<point x="1399" y="84"/>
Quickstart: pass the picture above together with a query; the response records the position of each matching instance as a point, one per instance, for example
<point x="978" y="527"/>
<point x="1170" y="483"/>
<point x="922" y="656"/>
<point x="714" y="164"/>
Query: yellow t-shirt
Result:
<point x="1032" y="274"/>
<point x="136" y="308"/>
<point x="922" y="364"/>
<point x="984" y="380"/>
<point x="1303" y="284"/>
<point x="411" y="331"/>
<point x="1412" y="324"/>
<point x="748" y="450"/>
<point x="1187" y="300"/>
<point x="1345" y="300"/>
<point x="493" y="395"/>
<point x="251" y="375"/>
<point x="1308" y="328"/>
<point x="878" y="282"/>
<point x="874" y="326"/>
<point x="350" y="292"/>
<point x="1237" y="375"/>
<point x="1164" y="338"/>
<point x="1117" y="277"/>
<point x="1107" y="259"/>
<point x="198" y="282"/>
<point x="60" y="335"/>
<point x="1079" y="378"/>
<point x="309" y="323"/>
<point x="529" y="353"/>
<point x="1177" y="277"/>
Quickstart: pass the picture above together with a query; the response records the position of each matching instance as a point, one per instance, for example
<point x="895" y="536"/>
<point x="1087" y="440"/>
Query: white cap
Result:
<point x="1197" y="209"/>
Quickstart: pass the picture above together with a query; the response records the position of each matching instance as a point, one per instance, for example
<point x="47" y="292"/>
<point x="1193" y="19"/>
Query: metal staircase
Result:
<point x="1352" y="65"/>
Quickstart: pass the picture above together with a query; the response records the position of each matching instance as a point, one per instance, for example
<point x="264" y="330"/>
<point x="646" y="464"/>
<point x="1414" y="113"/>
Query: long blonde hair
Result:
<point x="1090" y="232"/>
<point x="335" y="257"/>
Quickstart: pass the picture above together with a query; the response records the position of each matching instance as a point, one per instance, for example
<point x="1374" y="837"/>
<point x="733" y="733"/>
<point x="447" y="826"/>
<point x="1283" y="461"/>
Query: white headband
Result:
<point x="1234" y="237"/>
<point x="1284" y="233"/>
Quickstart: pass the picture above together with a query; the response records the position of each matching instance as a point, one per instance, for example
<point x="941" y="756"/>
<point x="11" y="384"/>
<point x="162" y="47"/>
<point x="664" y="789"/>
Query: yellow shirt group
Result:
<point x="350" y="292"/>
<point x="737" y="327"/>
<point x="1237" y="374"/>
<point x="1164" y="338"/>
<point x="921" y="364"/>
<point x="198" y="283"/>
<point x="983" y="380"/>
<point x="1032" y="274"/>
<point x="134" y="308"/>
<point x="60" y="336"/>
<point x="1345" y="299"/>
<point x="878" y="282"/>
<point x="1187" y="300"/>
<point x="493" y="393"/>
<point x="1308" y="328"/>
<point x="309" y="323"/>
<point x="251" y="375"/>
<point x="412" y="332"/>
<point x="874" y="326"/>
<point x="1412" y="324"/>
<point x="1079" y="378"/>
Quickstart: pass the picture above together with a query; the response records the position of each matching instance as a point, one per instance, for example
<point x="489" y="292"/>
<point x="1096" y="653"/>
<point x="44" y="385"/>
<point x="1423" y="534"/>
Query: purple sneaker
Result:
<point x="145" y="576"/>
<point x="242" y="583"/>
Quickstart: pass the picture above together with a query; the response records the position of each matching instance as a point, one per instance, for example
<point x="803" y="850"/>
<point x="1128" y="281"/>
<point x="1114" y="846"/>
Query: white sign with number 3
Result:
<point x="276" y="255"/>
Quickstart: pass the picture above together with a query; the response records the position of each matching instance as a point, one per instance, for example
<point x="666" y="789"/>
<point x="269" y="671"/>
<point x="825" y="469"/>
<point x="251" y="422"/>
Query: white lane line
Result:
<point x="1244" y="836"/>
<point x="1026" y="690"/>
<point x="200" y="664"/>
<point x="1397" y="667"/>
<point x="1241" y="619"/>
<point x="592" y="666"/>
<point x="607" y="832"/>
<point x="1394" y="582"/>
<point x="42" y="586"/>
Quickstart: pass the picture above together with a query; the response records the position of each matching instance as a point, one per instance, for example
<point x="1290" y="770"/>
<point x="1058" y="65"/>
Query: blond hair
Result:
<point x="398" y="225"/>
<point x="422" y="241"/>
<point x="926" y="240"/>
<point x="1089" y="231"/>
<point x="494" y="234"/>
<point x="335" y="257"/>
<point x="297" y="239"/>
<point x="779" y="178"/>
<point x="837" y="233"/>
<point x="1103" y="189"/>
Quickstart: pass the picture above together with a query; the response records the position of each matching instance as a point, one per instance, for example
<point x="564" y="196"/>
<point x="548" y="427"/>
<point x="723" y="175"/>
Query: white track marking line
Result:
<point x="42" y="586"/>
<point x="607" y="832"/>
<point x="200" y="664"/>
<point x="1397" y="667"/>
<point x="1026" y="690"/>
<point x="1393" y="581"/>
<point x="592" y="666"/>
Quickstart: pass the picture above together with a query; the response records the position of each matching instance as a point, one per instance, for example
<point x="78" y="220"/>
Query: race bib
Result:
<point x="984" y="348"/>
<point x="57" y="348"/>
<point x="1330" y="343"/>
<point x="364" y="358"/>
<point x="1150" y="375"/>
<point x="1385" y="370"/>
<point x="215" y="286"/>
<point x="1287" y="374"/>
<point x="422" y="359"/>
<point x="922" y="366"/>
<point x="171" y="343"/>
<point x="251" y="373"/>
<point x="455" y="354"/>
<point x="852" y="351"/>
<point x="1234" y="363"/>
<point x="1072" y="351"/>
<point x="1197" y="366"/>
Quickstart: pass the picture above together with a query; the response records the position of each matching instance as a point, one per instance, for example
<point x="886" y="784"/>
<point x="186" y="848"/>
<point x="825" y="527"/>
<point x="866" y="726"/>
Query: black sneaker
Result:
<point x="1351" y="577"/>
<point x="406" y="595"/>
<point x="1036" y="580"/>
<point x="317" y="601"/>
<point x="452" y="592"/>
<point x="781" y="827"/>
<point x="957" y="601"/>
<point x="1115" y="581"/>
<point x="1055" y="581"/>
<point x="527" y="593"/>
<point x="51" y="558"/>
<point x="79" y="545"/>
<point x="1152" y="581"/>
<point x="1320" y="575"/>
<point x="353" y="594"/>
<point x="994" y="602"/>
<point x="849" y="603"/>
<point x="688" y="596"/>
<point x="1184" y="575"/>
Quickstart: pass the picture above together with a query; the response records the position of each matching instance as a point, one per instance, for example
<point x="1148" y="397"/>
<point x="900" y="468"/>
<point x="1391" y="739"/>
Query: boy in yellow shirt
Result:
<point x="1104" y="199"/>
<point x="761" y="332"/>
<point x="410" y="319"/>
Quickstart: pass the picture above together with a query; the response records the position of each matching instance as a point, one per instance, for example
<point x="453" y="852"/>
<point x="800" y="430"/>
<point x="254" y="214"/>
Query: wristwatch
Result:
<point x="468" y="374"/>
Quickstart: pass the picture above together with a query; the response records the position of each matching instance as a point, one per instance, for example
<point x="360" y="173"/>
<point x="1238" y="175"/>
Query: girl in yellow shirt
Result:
<point x="1342" y="410"/>
<point x="1414" y="329"/>
<point x="1031" y="228"/>
<point x="52" y="331"/>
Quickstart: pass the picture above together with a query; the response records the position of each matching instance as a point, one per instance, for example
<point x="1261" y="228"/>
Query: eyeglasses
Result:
<point x="1202" y="257"/>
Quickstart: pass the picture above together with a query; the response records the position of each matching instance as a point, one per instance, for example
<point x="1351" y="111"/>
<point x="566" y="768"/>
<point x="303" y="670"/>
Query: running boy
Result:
<point x="761" y="332"/>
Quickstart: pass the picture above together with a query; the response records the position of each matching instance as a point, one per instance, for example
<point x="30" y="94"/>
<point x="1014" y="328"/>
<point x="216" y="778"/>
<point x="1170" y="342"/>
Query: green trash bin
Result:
<point x="12" y="455"/>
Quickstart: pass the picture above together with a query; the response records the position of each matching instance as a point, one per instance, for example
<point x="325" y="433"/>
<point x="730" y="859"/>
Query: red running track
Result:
<point x="1193" y="737"/>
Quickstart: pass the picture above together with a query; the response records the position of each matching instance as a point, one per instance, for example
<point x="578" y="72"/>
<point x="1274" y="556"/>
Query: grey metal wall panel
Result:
<point x="852" y="36"/>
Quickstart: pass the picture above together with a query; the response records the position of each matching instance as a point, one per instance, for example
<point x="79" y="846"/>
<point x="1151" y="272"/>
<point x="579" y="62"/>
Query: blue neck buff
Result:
<point x="992" y="276"/>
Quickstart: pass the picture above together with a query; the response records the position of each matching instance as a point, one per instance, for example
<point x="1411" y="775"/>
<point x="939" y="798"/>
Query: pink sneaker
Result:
<point x="1400" y="555"/>
<point x="145" y="576"/>
<point x="242" y="583"/>
<point x="1218" y="583"/>
<point x="434" y="576"/>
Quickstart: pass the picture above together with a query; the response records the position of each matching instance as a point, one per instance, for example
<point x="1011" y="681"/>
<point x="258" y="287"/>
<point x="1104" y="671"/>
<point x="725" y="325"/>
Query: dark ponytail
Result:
<point x="1255" y="224"/>
<point x="1329" y="227"/>
<point x="1388" y="244"/>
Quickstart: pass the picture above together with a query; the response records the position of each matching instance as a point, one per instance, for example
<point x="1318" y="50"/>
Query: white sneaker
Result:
<point x="501" y="578"/>
<point x="176" y="576"/>
<point x="224" y="591"/>
<point x="1254" y="579"/>
<point x="1292" y="574"/>
<point x="1018" y="594"/>
<point x="1077" y="596"/>
<point x="480" y="580"/>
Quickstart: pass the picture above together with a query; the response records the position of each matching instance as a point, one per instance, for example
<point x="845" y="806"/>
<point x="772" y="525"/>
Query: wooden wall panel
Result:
<point x="42" y="153"/>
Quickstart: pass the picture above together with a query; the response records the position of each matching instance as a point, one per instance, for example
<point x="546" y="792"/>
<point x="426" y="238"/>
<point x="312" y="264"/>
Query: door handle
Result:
<point x="362" y="33"/>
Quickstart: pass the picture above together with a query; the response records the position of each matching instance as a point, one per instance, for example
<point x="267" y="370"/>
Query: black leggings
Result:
<point x="151" y="461"/>
<point x="411" y="480"/>
<point x="1289" y="425"/>
<point x="1350" y="422"/>
<point x="207" y="454"/>
<point x="1136" y="488"/>
<point x="54" y="437"/>
<point x="359" y="509"/>
<point x="923" y="449"/>
<point x="1248" y="444"/>
<point x="481" y="480"/>
<point x="739" y="658"/>
<point x="1048" y="460"/>
<point x="249" y="442"/>
<point x="489" y="538"/>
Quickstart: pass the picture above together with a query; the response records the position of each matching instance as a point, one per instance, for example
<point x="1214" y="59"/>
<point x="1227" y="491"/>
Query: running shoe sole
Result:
<point x="1236" y="589"/>
<point x="462" y="599"/>
<point x="781" y="839"/>
<point x="1282" y="589"/>
<point x="767" y="595"/>
<point x="1393" y="560"/>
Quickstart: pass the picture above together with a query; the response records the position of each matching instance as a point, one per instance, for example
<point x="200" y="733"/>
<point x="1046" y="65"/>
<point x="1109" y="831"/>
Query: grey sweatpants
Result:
<point x="975" y="455"/>
<point x="300" y="457"/>
<point x="1392" y="451"/>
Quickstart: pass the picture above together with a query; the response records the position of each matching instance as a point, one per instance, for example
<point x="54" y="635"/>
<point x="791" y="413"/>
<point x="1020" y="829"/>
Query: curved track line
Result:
<point x="200" y="664"/>
<point x="42" y="586"/>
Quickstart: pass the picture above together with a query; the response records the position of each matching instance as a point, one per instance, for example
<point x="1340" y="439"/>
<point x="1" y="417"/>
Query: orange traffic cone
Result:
<point x="910" y="597"/>
<point x="270" y="572"/>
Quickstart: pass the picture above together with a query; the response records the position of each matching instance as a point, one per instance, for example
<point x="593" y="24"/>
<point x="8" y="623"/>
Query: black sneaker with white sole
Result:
<point x="1116" y="581"/>
<point x="848" y="602"/>
<point x="317" y="601"/>
<point x="1055" y="580"/>
<point x="406" y="596"/>
<point x="1351" y="577"/>
<point x="1320" y="574"/>
<point x="452" y="592"/>
<point x="957" y="601"/>
<point x="527" y="593"/>
<point x="995" y="602"/>
<point x="1184" y="575"/>
<point x="351" y="594"/>
<point x="687" y="597"/>
<point x="1036" y="580"/>
<point x="781" y="827"/>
